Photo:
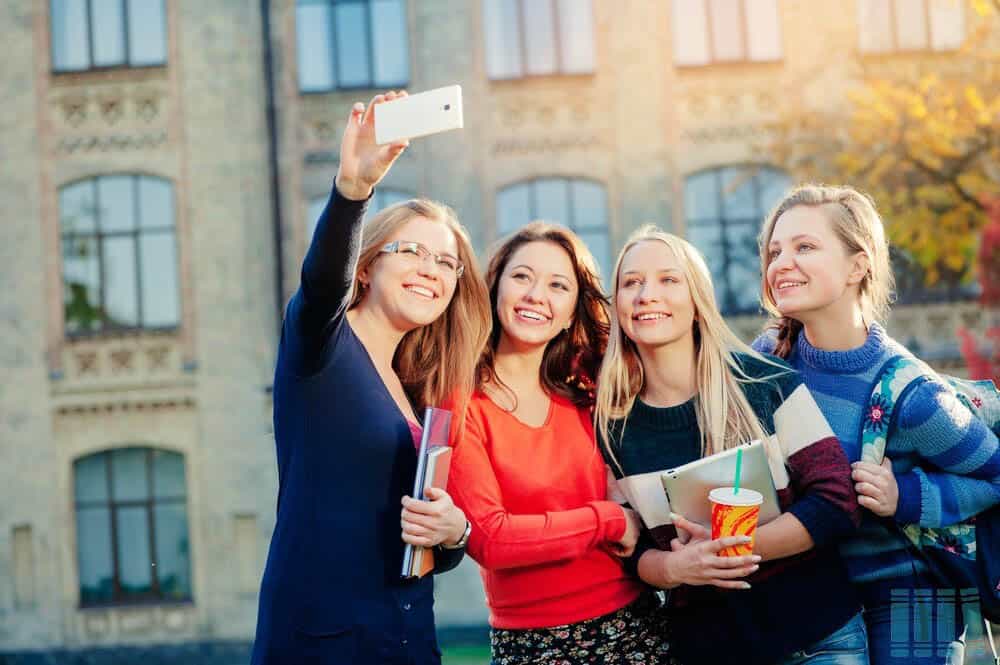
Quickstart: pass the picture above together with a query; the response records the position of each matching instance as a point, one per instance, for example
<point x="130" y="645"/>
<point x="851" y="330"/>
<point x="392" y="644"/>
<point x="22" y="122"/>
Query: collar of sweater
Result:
<point x="844" y="362"/>
<point x="680" y="417"/>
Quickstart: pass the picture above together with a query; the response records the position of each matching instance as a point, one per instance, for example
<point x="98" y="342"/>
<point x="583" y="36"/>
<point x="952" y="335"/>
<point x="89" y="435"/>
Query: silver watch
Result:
<point x="463" y="541"/>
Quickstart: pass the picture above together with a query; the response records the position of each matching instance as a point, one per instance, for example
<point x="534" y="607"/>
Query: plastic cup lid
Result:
<point x="727" y="497"/>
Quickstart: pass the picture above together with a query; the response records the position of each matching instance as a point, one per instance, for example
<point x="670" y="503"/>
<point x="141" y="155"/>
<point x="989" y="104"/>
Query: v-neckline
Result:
<point x="388" y="393"/>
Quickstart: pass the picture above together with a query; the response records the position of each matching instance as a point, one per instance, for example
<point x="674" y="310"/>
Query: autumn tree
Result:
<point x="922" y="136"/>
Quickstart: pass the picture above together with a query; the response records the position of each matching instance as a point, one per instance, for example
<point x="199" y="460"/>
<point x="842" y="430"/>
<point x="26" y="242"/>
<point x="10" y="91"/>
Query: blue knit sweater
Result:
<point x="946" y="462"/>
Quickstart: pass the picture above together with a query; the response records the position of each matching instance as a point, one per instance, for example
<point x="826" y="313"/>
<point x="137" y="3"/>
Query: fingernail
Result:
<point x="754" y="569"/>
<point x="756" y="558"/>
<point x="746" y="585"/>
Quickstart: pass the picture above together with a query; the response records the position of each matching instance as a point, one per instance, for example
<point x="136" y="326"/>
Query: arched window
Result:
<point x="132" y="526"/>
<point x="382" y="198"/>
<point x="119" y="251"/>
<point x="724" y="209"/>
<point x="581" y="205"/>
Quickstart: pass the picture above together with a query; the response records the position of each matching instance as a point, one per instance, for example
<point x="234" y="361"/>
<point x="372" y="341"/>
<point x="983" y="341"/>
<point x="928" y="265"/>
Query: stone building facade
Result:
<point x="162" y="161"/>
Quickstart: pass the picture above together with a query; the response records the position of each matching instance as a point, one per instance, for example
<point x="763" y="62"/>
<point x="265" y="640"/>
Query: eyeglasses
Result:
<point x="417" y="253"/>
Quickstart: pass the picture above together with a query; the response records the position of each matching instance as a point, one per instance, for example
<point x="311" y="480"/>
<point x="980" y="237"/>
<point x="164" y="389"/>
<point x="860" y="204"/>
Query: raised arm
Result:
<point x="330" y="264"/>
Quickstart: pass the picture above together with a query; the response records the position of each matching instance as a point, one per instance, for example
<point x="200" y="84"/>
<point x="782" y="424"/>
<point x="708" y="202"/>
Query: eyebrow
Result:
<point x="527" y="267"/>
<point x="661" y="270"/>
<point x="794" y="238"/>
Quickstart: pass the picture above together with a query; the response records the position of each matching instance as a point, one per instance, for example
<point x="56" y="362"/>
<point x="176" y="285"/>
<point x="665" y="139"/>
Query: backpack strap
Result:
<point x="898" y="376"/>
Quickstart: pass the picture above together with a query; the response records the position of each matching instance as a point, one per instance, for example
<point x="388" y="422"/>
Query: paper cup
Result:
<point x="735" y="514"/>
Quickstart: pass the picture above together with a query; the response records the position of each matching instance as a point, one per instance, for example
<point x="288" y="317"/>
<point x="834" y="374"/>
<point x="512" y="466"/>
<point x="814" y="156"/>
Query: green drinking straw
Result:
<point x="739" y="464"/>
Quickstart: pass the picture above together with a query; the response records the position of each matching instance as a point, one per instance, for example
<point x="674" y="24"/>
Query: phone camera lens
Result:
<point x="447" y="107"/>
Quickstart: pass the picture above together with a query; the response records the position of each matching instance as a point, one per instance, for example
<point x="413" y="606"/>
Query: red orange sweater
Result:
<point x="540" y="521"/>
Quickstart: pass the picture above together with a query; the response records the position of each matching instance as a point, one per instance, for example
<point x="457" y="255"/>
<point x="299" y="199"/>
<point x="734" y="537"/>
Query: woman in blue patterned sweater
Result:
<point x="827" y="277"/>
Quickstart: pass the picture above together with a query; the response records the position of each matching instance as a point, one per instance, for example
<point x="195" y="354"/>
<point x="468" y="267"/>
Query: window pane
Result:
<point x="600" y="247"/>
<point x="116" y="196"/>
<point x="590" y="205"/>
<point x="727" y="32"/>
<point x="539" y="37"/>
<point x="707" y="237"/>
<point x="738" y="200"/>
<point x="173" y="552"/>
<point x="93" y="547"/>
<point x="129" y="474"/>
<point x="690" y="32"/>
<point x="315" y="47"/>
<point x="168" y="475"/>
<point x="134" y="563"/>
<point x="90" y="477"/>
<point x="70" y="44"/>
<point x="911" y="25"/>
<point x="947" y="24"/>
<point x="763" y="30"/>
<point x="156" y="204"/>
<point x="77" y="208"/>
<point x="81" y="284"/>
<point x="744" y="265"/>
<point x="503" y="43"/>
<point x="551" y="202"/>
<point x="108" y="28"/>
<point x="147" y="32"/>
<point x="576" y="35"/>
<point x="353" y="47"/>
<point x="772" y="186"/>
<point x="392" y="57"/>
<point x="120" y="294"/>
<point x="701" y="196"/>
<point x="874" y="26"/>
<point x="160" y="288"/>
<point x="312" y="217"/>
<point x="513" y="208"/>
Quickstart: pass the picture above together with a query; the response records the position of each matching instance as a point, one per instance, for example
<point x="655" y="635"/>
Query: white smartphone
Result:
<point x="418" y="115"/>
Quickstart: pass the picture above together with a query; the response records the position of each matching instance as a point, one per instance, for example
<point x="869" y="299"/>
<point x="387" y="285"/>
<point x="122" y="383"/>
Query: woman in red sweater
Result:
<point x="530" y="478"/>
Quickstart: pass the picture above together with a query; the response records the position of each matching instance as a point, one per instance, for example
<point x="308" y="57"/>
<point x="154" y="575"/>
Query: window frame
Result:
<point x="155" y="595"/>
<point x="126" y="41"/>
<point x="566" y="181"/>
<point x="895" y="49"/>
<point x="331" y="54"/>
<point x="744" y="27"/>
<point x="726" y="293"/>
<point x="135" y="234"/>
<point x="557" y="44"/>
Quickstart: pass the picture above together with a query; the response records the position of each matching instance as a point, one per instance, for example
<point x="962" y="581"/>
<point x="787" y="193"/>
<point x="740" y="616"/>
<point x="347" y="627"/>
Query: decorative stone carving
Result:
<point x="115" y="142"/>
<point x="86" y="362"/>
<point x="121" y="360"/>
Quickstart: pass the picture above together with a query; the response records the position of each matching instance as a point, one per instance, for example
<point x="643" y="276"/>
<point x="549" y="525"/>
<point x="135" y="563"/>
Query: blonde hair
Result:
<point x="436" y="362"/>
<point x="724" y="414"/>
<point x="857" y="224"/>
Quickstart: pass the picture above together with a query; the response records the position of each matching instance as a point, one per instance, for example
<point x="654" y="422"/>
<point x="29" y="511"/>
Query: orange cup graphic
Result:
<point x="735" y="514"/>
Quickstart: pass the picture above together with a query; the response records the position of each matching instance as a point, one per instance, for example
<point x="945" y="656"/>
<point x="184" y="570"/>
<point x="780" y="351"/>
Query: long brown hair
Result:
<point x="436" y="362"/>
<point x="571" y="359"/>
<point x="857" y="224"/>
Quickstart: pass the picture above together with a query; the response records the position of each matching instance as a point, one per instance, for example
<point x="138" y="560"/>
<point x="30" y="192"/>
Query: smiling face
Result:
<point x="408" y="290"/>
<point x="653" y="301"/>
<point x="810" y="270"/>
<point x="536" y="294"/>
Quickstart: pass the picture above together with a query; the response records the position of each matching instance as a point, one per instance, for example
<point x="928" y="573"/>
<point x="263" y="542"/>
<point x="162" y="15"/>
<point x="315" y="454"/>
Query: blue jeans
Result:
<point x="847" y="645"/>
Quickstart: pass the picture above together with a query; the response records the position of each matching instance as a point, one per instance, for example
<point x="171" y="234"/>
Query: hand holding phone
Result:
<point x="363" y="162"/>
<point x="412" y="116"/>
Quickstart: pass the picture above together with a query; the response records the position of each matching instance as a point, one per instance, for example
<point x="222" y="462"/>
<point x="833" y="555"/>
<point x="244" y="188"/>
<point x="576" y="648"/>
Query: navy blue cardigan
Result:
<point x="331" y="591"/>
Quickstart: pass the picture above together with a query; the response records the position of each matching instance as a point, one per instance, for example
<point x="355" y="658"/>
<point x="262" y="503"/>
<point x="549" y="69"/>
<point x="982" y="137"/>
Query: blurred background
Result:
<point x="164" y="161"/>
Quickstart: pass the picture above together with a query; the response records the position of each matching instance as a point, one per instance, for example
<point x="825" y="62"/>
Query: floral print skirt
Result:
<point x="634" y="635"/>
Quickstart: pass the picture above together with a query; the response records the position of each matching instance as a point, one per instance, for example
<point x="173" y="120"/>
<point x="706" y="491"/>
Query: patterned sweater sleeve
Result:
<point x="958" y="473"/>
<point x="502" y="539"/>
<point x="819" y="473"/>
